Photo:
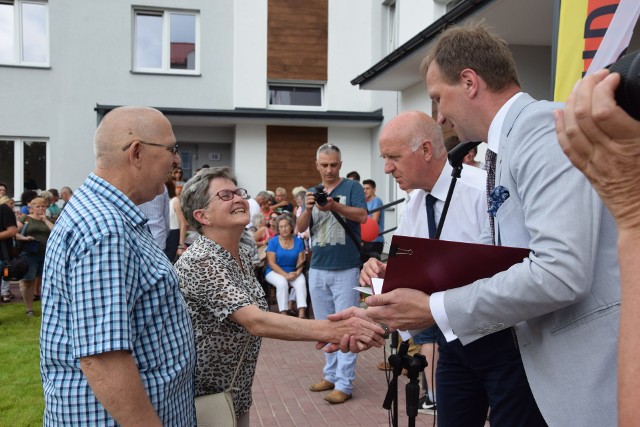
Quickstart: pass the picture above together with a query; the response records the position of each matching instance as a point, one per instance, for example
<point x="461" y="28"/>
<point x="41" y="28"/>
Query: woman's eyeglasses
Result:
<point x="226" y="195"/>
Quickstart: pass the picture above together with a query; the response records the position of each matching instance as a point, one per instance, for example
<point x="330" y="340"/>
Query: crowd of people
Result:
<point x="33" y="221"/>
<point x="537" y="344"/>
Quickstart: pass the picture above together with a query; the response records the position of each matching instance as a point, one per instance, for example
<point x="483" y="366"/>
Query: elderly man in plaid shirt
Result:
<point x="116" y="345"/>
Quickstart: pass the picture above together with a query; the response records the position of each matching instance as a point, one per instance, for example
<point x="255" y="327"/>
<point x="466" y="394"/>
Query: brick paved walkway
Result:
<point x="281" y="395"/>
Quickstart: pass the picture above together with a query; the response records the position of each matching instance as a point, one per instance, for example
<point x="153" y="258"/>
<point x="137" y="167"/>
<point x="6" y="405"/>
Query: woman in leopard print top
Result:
<point x="226" y="302"/>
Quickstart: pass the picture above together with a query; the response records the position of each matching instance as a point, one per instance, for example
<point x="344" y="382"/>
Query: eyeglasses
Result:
<point x="226" y="195"/>
<point x="173" y="149"/>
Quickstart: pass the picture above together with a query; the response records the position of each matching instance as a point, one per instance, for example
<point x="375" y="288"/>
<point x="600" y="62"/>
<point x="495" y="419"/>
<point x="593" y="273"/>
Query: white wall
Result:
<point x="91" y="62"/>
<point x="349" y="52"/>
<point x="533" y="64"/>
<point x="414" y="16"/>
<point x="416" y="98"/>
<point x="250" y="157"/>
<point x="250" y="57"/>
<point x="355" y="146"/>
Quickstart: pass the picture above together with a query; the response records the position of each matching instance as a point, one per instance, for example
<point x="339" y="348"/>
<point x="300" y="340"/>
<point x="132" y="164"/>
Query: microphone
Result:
<point x="456" y="155"/>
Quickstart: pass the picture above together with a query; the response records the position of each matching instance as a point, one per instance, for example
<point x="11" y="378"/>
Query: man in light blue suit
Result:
<point x="562" y="302"/>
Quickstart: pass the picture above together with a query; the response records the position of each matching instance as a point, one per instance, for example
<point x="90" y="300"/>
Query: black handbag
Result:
<point x="14" y="268"/>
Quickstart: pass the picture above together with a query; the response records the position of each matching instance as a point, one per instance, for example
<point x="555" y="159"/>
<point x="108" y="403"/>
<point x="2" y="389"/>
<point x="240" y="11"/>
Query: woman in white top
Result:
<point x="177" y="224"/>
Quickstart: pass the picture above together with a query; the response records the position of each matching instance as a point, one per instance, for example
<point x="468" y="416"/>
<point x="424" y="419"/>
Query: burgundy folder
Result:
<point x="437" y="265"/>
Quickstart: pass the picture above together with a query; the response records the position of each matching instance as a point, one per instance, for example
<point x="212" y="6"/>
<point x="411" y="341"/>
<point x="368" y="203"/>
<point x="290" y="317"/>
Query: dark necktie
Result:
<point x="431" y="215"/>
<point x="490" y="162"/>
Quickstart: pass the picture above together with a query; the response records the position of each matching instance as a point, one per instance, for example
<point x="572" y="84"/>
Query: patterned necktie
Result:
<point x="490" y="162"/>
<point x="431" y="214"/>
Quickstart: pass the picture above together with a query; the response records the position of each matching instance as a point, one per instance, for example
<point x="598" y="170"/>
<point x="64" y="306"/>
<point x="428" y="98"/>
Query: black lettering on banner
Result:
<point x="592" y="33"/>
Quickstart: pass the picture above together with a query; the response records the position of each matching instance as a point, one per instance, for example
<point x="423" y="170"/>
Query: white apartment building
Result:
<point x="256" y="85"/>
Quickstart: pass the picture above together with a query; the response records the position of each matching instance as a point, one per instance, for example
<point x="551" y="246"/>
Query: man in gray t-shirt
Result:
<point x="335" y="265"/>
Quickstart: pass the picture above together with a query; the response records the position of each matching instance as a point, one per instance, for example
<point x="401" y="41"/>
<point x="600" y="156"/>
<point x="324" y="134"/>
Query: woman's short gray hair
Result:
<point x="195" y="193"/>
<point x="290" y="219"/>
<point x="257" y="220"/>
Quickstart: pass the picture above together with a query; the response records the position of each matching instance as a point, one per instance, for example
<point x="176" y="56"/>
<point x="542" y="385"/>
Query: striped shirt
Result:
<point x="108" y="287"/>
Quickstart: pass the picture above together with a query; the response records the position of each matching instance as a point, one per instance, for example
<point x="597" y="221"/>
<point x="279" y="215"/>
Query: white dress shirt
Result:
<point x="465" y="220"/>
<point x="467" y="212"/>
<point x="157" y="210"/>
<point x="436" y="302"/>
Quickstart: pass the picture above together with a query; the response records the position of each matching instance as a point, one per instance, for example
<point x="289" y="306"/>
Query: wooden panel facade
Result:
<point x="291" y="156"/>
<point x="297" y="39"/>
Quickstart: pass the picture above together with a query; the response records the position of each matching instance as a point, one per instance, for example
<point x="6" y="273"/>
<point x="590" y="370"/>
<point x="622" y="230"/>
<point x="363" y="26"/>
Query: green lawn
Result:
<point x="21" y="401"/>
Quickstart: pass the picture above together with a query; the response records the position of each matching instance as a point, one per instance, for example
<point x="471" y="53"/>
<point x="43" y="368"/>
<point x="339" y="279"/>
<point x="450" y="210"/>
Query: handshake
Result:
<point x="357" y="329"/>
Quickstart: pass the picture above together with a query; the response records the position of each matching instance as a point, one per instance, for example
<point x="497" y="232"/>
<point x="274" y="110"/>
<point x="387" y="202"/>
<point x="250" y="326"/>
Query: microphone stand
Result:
<point x="416" y="365"/>
<point x="456" y="155"/>
<point x="418" y="362"/>
<point x="396" y="361"/>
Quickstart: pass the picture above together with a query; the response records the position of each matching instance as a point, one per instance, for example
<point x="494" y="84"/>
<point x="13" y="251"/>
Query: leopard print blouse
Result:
<point x="214" y="287"/>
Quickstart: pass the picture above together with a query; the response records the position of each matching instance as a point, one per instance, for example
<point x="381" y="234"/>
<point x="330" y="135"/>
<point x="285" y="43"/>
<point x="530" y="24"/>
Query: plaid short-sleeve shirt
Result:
<point x="107" y="287"/>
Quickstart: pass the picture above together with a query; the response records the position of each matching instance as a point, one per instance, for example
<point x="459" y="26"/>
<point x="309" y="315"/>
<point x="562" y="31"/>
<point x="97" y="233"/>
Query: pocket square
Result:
<point x="497" y="197"/>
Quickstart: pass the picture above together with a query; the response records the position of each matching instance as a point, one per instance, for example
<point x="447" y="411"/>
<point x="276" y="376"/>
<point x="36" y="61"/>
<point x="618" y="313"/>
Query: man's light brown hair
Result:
<point x="472" y="46"/>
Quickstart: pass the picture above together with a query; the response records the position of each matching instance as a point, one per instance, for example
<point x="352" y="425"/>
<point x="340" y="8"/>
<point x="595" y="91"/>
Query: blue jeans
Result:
<point x="6" y="288"/>
<point x="428" y="336"/>
<point x="36" y="264"/>
<point x="332" y="291"/>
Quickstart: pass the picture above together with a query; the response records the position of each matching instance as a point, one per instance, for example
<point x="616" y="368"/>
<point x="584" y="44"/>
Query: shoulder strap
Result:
<point x="235" y="373"/>
<point x="24" y="225"/>
<point x="5" y="254"/>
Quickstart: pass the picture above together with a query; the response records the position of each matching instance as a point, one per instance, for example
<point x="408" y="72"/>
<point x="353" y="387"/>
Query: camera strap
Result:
<point x="344" y="225"/>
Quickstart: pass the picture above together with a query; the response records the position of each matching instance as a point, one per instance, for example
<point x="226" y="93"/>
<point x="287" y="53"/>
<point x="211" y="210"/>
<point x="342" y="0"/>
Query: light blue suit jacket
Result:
<point x="565" y="298"/>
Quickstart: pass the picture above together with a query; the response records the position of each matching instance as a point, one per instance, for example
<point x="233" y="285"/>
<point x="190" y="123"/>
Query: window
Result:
<point x="389" y="27"/>
<point x="295" y="95"/>
<point x="166" y="42"/>
<point x="24" y="38"/>
<point x="23" y="161"/>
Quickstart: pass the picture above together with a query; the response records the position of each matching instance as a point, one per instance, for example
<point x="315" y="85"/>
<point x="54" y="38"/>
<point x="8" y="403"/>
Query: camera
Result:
<point x="320" y="195"/>
<point x="628" y="93"/>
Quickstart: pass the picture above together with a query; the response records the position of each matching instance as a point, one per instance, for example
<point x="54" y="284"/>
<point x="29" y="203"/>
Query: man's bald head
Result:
<point x="412" y="147"/>
<point x="123" y="125"/>
<point x="415" y="127"/>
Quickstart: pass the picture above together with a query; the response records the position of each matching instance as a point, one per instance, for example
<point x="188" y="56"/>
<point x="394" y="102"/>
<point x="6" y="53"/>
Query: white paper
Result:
<point x="405" y="335"/>
<point x="376" y="289"/>
<point x="377" y="285"/>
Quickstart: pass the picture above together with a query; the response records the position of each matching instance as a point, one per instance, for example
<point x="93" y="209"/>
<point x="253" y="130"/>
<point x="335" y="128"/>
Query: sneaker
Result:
<point x="426" y="406"/>
<point x="8" y="297"/>
<point x="29" y="313"/>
